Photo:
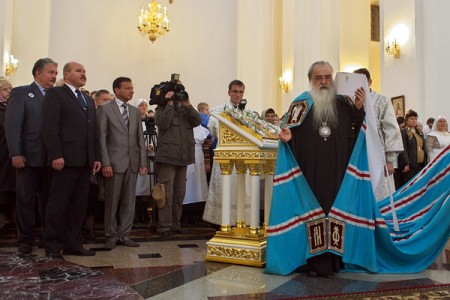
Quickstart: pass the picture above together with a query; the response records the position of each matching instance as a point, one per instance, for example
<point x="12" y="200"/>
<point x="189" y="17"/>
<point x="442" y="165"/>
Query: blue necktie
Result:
<point x="80" y="99"/>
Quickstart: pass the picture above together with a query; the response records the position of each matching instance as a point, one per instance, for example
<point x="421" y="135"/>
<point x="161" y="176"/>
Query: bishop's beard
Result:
<point x="324" y="106"/>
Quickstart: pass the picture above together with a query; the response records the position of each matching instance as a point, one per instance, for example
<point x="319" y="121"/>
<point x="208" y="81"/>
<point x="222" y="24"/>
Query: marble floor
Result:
<point x="177" y="269"/>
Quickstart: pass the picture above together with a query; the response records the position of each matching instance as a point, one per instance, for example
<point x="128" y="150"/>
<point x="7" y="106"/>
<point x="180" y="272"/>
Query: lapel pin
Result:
<point x="31" y="95"/>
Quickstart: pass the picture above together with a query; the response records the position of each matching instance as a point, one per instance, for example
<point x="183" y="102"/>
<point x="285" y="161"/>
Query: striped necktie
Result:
<point x="125" y="114"/>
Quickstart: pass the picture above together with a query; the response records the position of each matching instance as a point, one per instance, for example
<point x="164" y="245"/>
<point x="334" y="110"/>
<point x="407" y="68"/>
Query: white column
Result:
<point x="268" y="186"/>
<point x="241" y="199"/>
<point x="254" y="201"/>
<point x="226" y="199"/>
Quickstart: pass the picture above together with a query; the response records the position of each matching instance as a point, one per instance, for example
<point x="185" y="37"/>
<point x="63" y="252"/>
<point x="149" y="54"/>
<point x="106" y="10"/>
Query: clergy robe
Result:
<point x="324" y="163"/>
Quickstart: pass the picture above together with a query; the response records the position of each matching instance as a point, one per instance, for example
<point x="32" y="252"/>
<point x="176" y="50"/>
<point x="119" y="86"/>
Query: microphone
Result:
<point x="242" y="104"/>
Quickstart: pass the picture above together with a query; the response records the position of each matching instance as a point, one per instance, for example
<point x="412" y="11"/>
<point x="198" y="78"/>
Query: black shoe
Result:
<point x="166" y="235"/>
<point x="54" y="255"/>
<point x="25" y="248"/>
<point x="80" y="252"/>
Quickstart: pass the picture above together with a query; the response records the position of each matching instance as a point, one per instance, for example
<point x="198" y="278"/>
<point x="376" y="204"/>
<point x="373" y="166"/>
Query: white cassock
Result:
<point x="196" y="184"/>
<point x="213" y="206"/>
<point x="143" y="182"/>
<point x="390" y="137"/>
<point x="436" y="142"/>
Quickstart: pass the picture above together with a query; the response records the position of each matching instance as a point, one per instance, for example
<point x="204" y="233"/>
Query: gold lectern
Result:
<point x="243" y="149"/>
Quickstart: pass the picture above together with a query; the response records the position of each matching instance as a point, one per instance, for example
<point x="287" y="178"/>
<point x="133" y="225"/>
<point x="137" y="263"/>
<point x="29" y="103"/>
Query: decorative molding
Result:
<point x="243" y="154"/>
<point x="230" y="137"/>
<point x="234" y="253"/>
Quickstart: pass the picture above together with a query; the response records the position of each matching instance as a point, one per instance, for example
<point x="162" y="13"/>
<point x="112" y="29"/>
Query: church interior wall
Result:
<point x="435" y="46"/>
<point x="401" y="75"/>
<point x="103" y="36"/>
<point x="214" y="42"/>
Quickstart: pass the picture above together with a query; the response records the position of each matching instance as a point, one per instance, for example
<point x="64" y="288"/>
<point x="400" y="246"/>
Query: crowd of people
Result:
<point x="70" y="157"/>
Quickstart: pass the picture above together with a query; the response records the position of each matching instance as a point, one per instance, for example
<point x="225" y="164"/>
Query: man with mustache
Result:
<point x="23" y="134"/>
<point x="322" y="140"/>
<point x="69" y="134"/>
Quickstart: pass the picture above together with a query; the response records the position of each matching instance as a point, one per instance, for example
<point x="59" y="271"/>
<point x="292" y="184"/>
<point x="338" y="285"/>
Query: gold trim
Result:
<point x="230" y="137"/>
<point x="244" y="154"/>
<point x="241" y="224"/>
<point x="268" y="134"/>
<point x="336" y="234"/>
<point x="225" y="228"/>
<point x="250" y="251"/>
<point x="234" y="253"/>
<point x="255" y="232"/>
<point x="269" y="167"/>
<point x="226" y="168"/>
<point x="241" y="168"/>
<point x="255" y="169"/>
<point x="317" y="234"/>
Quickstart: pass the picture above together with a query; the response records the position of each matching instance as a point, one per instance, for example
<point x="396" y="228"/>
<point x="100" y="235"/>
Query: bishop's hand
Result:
<point x="285" y="135"/>
<point x="360" y="96"/>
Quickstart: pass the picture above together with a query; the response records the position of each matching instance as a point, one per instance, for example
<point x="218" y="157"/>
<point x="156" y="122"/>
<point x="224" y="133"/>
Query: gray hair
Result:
<point x="4" y="82"/>
<point x="322" y="62"/>
<point x="40" y="64"/>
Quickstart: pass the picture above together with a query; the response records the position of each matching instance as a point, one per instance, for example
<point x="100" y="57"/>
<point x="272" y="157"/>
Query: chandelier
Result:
<point x="153" y="21"/>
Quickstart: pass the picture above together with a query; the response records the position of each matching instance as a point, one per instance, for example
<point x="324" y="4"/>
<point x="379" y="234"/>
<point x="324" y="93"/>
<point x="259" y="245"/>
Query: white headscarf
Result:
<point x="139" y="101"/>
<point x="433" y="128"/>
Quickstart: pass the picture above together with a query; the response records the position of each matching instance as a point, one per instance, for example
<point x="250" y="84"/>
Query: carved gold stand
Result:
<point x="237" y="247"/>
<point x="242" y="149"/>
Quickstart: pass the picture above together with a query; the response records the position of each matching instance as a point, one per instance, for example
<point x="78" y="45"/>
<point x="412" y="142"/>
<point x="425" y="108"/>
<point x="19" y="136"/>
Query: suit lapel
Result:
<point x="131" y="117"/>
<point x="37" y="92"/>
<point x="118" y="114"/>
<point x="74" y="98"/>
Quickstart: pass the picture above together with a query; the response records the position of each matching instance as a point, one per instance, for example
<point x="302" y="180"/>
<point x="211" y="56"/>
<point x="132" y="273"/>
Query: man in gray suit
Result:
<point x="23" y="134"/>
<point x="123" y="156"/>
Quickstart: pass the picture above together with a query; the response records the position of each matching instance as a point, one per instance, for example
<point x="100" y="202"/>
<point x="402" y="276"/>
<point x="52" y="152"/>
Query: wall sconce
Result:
<point x="397" y="37"/>
<point x="285" y="80"/>
<point x="11" y="65"/>
<point x="393" y="48"/>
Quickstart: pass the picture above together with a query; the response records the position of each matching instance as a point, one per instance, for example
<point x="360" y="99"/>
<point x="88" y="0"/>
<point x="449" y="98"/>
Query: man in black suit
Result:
<point x="23" y="134"/>
<point x="69" y="134"/>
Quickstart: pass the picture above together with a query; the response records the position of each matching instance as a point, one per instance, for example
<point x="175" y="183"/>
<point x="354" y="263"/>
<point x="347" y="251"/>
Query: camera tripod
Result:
<point x="150" y="142"/>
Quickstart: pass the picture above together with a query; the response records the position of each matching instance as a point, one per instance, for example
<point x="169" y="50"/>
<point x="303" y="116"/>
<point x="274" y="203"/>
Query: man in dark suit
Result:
<point x="23" y="134"/>
<point x="123" y="156"/>
<point x="69" y="134"/>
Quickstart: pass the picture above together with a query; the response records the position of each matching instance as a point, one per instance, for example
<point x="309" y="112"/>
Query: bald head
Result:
<point x="74" y="74"/>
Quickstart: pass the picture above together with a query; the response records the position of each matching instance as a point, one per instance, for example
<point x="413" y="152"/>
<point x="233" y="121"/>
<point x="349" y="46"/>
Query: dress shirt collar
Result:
<point x="73" y="89"/>
<point x="231" y="104"/>
<point x="40" y="88"/>
<point x="119" y="102"/>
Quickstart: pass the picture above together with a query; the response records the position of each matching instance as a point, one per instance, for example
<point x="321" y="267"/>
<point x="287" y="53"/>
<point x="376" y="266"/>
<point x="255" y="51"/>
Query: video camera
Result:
<point x="150" y="126"/>
<point x="159" y="91"/>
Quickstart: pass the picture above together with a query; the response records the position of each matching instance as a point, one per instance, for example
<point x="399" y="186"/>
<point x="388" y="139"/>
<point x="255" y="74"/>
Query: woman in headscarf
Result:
<point x="438" y="138"/>
<point x="143" y="182"/>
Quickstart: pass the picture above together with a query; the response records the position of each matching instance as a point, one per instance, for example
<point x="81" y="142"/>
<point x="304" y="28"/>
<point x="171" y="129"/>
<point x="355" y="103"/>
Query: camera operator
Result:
<point x="175" y="120"/>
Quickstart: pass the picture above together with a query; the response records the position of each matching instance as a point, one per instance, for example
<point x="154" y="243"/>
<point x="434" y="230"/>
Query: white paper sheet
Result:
<point x="347" y="83"/>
